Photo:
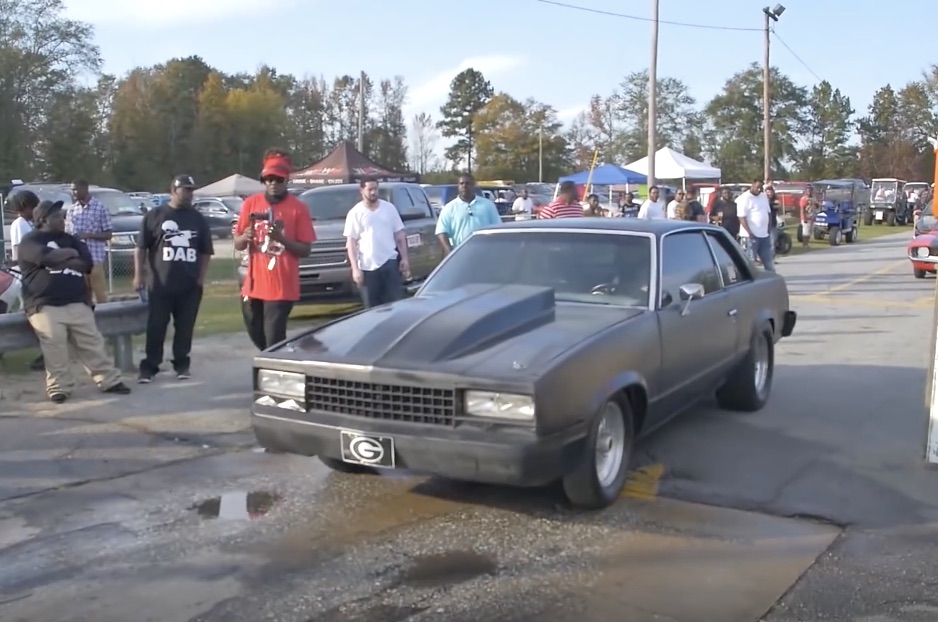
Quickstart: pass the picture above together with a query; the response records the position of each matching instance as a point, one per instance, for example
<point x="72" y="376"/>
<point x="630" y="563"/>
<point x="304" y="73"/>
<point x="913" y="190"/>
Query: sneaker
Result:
<point x="58" y="398"/>
<point x="183" y="374"/>
<point x="120" y="389"/>
<point x="145" y="377"/>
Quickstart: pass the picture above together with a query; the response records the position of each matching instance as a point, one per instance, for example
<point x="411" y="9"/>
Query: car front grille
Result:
<point x="390" y="402"/>
<point x="332" y="258"/>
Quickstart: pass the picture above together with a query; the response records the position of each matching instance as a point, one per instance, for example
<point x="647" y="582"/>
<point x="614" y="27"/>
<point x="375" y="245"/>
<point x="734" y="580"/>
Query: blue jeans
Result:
<point x="762" y="249"/>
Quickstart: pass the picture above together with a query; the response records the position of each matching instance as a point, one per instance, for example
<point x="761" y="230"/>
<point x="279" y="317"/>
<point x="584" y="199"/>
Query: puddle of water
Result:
<point x="237" y="505"/>
<point x="448" y="568"/>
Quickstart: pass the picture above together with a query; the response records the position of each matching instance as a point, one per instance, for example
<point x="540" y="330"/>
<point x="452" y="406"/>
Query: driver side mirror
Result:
<point x="690" y="291"/>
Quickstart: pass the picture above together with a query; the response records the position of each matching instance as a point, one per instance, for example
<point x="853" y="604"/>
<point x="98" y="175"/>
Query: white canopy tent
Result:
<point x="232" y="186"/>
<point x="671" y="164"/>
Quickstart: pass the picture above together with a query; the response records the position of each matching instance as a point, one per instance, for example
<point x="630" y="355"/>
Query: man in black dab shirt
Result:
<point x="175" y="243"/>
<point x="57" y="302"/>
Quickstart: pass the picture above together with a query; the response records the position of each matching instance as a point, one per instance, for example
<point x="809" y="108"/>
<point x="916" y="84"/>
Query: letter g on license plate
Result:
<point x="367" y="450"/>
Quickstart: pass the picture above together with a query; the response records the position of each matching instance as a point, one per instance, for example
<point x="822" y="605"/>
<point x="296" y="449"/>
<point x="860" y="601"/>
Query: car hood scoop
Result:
<point x="432" y="329"/>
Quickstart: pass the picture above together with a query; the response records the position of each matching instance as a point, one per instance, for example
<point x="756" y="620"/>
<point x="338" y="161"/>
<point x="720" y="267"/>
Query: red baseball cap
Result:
<point x="276" y="166"/>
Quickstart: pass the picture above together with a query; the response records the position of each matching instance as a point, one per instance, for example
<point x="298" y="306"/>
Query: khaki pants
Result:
<point x="98" y="284"/>
<point x="72" y="328"/>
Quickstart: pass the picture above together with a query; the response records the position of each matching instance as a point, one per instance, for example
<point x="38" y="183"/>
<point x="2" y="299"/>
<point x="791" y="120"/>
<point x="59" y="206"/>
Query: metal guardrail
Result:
<point x="117" y="321"/>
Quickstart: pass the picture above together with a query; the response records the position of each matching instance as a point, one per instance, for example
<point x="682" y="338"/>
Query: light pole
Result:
<point x="770" y="15"/>
<point x="540" y="154"/>
<point x="653" y="95"/>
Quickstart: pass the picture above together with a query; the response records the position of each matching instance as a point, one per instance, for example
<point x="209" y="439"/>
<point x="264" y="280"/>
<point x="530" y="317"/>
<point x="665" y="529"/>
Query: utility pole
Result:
<point x="770" y="15"/>
<point x="361" y="113"/>
<point x="540" y="153"/>
<point x="653" y="94"/>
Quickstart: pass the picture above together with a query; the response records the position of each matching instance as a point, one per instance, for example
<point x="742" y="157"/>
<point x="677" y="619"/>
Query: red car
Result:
<point x="923" y="249"/>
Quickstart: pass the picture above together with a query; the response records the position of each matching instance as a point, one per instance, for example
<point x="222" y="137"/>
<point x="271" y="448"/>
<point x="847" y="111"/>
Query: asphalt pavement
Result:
<point x="158" y="506"/>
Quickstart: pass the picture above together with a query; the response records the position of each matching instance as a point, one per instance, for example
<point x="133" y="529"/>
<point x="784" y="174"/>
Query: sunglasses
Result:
<point x="271" y="179"/>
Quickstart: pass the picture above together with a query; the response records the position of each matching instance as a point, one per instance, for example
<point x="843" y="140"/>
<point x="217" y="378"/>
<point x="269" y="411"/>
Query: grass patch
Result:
<point x="220" y="270"/>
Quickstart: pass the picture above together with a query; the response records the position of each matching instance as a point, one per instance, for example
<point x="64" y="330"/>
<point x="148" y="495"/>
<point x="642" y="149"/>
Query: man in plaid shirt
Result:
<point x="89" y="220"/>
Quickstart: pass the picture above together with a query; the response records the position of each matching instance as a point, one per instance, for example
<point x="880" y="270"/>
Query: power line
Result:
<point x="647" y="19"/>
<point x="797" y="58"/>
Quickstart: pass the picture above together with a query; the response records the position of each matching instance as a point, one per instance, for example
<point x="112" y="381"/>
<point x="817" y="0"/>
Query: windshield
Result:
<point x="117" y="203"/>
<point x="335" y="203"/>
<point x="233" y="203"/>
<point x="540" y="188"/>
<point x="926" y="222"/>
<point x="573" y="264"/>
<point x="884" y="191"/>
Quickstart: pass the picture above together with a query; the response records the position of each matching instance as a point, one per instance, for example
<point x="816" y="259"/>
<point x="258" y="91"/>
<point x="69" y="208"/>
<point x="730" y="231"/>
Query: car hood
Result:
<point x="924" y="239"/>
<point x="481" y="331"/>
<point x="126" y="223"/>
<point x="329" y="229"/>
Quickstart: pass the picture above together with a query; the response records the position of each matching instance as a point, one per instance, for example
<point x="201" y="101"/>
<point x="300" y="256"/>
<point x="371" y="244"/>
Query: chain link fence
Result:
<point x="119" y="265"/>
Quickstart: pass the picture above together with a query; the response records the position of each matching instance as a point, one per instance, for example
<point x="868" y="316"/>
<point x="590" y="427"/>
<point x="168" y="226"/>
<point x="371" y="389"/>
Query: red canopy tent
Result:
<point x="346" y="165"/>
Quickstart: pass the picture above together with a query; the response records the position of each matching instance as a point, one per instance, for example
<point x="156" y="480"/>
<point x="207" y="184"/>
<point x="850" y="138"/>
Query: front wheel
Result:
<point x="836" y="236"/>
<point x="891" y="219"/>
<point x="868" y="218"/>
<point x="749" y="385"/>
<point x="783" y="244"/>
<point x="598" y="481"/>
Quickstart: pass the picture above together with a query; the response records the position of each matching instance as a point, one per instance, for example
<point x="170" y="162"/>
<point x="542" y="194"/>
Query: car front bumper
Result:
<point x="503" y="456"/>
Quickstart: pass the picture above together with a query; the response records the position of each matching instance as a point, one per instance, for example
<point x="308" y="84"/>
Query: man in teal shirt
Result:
<point x="464" y="215"/>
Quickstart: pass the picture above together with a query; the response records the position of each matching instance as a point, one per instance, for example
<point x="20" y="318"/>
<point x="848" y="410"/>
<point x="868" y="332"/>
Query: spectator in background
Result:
<point x="723" y="213"/>
<point x="752" y="208"/>
<point x="57" y="304"/>
<point x="464" y="215"/>
<point x="276" y="229"/>
<point x="674" y="203"/>
<point x="377" y="247"/>
<point x="694" y="210"/>
<point x="774" y="207"/>
<point x="523" y="207"/>
<point x="653" y="208"/>
<point x="175" y="243"/>
<point x="566" y="205"/>
<point x="808" y="209"/>
<point x="23" y="204"/>
<point x="89" y="220"/>
<point x="593" y="208"/>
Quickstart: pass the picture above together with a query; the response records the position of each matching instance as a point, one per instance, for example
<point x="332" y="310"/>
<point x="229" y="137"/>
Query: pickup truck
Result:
<point x="326" y="276"/>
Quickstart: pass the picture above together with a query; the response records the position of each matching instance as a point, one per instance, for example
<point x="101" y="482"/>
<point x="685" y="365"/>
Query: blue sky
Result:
<point x="526" y="48"/>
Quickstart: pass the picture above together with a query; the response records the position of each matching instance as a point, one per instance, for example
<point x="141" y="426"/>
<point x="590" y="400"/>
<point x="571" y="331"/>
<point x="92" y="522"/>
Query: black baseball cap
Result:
<point x="183" y="181"/>
<point x="45" y="209"/>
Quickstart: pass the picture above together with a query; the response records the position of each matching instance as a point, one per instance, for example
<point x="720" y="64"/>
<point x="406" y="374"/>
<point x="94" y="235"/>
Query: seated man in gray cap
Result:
<point x="57" y="302"/>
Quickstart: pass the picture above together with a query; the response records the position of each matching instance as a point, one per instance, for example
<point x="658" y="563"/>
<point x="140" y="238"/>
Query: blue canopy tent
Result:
<point x="607" y="175"/>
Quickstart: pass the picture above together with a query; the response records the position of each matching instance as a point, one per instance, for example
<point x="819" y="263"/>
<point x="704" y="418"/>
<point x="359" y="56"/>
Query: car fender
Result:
<point x="763" y="317"/>
<point x="616" y="385"/>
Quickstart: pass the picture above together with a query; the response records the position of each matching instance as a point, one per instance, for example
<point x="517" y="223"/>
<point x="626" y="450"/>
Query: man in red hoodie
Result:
<point x="277" y="230"/>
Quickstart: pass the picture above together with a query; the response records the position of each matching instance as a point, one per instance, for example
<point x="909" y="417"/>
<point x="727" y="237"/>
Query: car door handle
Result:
<point x="732" y="313"/>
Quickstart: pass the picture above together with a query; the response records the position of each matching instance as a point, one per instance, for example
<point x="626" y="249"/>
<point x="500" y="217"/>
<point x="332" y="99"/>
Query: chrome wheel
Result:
<point x="610" y="445"/>
<point x="760" y="355"/>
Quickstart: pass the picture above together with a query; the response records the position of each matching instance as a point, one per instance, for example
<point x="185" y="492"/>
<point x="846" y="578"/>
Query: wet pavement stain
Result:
<point x="376" y="613"/>
<point x="448" y="568"/>
<point x="237" y="505"/>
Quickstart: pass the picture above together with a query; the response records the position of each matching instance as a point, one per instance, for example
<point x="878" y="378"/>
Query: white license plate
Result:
<point x="879" y="215"/>
<point x="367" y="449"/>
<point x="414" y="240"/>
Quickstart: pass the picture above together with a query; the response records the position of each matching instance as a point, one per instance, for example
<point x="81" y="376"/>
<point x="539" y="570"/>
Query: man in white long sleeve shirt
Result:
<point x="523" y="207"/>
<point x="653" y="208"/>
<point x="754" y="210"/>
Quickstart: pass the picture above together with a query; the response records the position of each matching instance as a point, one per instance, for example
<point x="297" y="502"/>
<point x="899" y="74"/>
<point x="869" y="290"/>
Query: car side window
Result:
<point x="405" y="205"/>
<point x="732" y="267"/>
<point x="421" y="203"/>
<point x="686" y="258"/>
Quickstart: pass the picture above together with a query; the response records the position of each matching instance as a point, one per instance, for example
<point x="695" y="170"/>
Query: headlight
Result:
<point x="500" y="405"/>
<point x="921" y="251"/>
<point x="283" y="383"/>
